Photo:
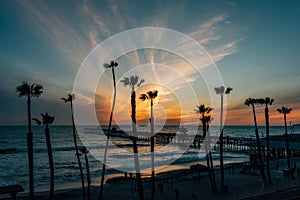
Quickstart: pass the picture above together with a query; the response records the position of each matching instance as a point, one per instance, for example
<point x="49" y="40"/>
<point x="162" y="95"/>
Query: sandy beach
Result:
<point x="192" y="185"/>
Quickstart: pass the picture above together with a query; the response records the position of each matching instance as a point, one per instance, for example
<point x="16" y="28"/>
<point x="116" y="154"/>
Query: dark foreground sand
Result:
<point x="191" y="185"/>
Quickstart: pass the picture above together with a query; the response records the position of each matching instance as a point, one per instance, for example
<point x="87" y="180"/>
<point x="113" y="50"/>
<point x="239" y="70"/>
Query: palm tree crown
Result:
<point x="33" y="90"/>
<point x="150" y="95"/>
<point x="284" y="110"/>
<point x="250" y="101"/>
<point x="46" y="119"/>
<point x="202" y="109"/>
<point x="221" y="90"/>
<point x="70" y="98"/>
<point x="112" y="64"/>
<point x="132" y="81"/>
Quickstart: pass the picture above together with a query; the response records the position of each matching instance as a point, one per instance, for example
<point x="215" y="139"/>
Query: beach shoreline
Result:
<point x="189" y="183"/>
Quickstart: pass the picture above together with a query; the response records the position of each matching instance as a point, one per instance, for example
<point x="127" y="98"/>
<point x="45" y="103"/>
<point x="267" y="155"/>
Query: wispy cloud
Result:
<point x="212" y="35"/>
<point x="76" y="32"/>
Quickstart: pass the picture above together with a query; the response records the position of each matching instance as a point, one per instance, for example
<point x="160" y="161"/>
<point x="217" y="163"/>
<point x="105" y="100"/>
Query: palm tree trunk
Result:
<point x="135" y="148"/>
<point x="152" y="152"/>
<point x="221" y="145"/>
<point x="77" y="154"/>
<point x="30" y="150"/>
<point x="207" y="154"/>
<point x="88" y="176"/>
<point x="287" y="145"/>
<point x="108" y="135"/>
<point x="51" y="164"/>
<point x="261" y="167"/>
<point x="211" y="161"/>
<point x="268" y="143"/>
<point x="209" y="169"/>
<point x="213" y="172"/>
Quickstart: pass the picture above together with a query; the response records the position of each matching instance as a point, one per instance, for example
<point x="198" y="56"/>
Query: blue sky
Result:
<point x="254" y="44"/>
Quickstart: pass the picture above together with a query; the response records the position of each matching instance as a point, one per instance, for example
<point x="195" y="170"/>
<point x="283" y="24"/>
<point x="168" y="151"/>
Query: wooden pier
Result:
<point x="233" y="144"/>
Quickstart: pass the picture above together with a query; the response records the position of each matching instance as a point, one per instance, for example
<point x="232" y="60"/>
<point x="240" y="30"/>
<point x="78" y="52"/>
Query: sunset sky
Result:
<point x="254" y="44"/>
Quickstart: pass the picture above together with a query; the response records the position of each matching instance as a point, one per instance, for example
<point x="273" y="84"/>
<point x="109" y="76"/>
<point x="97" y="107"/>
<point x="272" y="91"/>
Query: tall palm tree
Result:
<point x="85" y="152"/>
<point x="151" y="95"/>
<point x="267" y="101"/>
<point x="30" y="90"/>
<point x="221" y="90"/>
<point x="252" y="102"/>
<point x="111" y="65"/>
<point x="70" y="99"/>
<point x="46" y="120"/>
<point x="203" y="111"/>
<point x="133" y="81"/>
<point x="285" y="111"/>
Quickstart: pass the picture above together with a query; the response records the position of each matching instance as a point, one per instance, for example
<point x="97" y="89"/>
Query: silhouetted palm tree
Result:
<point x="203" y="110"/>
<point x="30" y="91"/>
<point x="133" y="81"/>
<point x="151" y="95"/>
<point x="285" y="111"/>
<point x="46" y="120"/>
<point x="252" y="102"/>
<point x="208" y="119"/>
<point x="221" y="91"/>
<point x="111" y="65"/>
<point x="267" y="101"/>
<point x="70" y="99"/>
<point x="85" y="152"/>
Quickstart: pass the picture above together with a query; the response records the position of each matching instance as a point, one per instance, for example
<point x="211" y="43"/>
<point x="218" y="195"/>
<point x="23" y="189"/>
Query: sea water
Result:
<point x="14" y="163"/>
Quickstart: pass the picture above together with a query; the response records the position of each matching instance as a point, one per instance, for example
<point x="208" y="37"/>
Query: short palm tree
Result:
<point x="46" y="120"/>
<point x="85" y="152"/>
<point x="111" y="66"/>
<point x="267" y="101"/>
<point x="252" y="102"/>
<point x="221" y="90"/>
<point x="70" y="100"/>
<point x="203" y="111"/>
<point x="285" y="111"/>
<point x="30" y="91"/>
<point x="151" y="95"/>
<point x="132" y="82"/>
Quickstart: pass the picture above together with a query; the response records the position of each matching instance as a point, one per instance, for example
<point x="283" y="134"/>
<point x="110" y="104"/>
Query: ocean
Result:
<point x="14" y="163"/>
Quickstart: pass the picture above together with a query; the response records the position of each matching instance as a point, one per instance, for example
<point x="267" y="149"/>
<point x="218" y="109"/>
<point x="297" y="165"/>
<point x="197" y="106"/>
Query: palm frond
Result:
<point x="152" y="94"/>
<point x="47" y="119"/>
<point x="134" y="80"/>
<point x="71" y="97"/>
<point x="106" y="65"/>
<point x="23" y="89"/>
<point x="37" y="121"/>
<point x="66" y="100"/>
<point x="36" y="90"/>
<point x="202" y="109"/>
<point x="208" y="110"/>
<point x="260" y="101"/>
<point x="142" y="81"/>
<point x="125" y="81"/>
<point x="228" y="90"/>
<point x="110" y="65"/>
<point x="249" y="101"/>
<point x="143" y="97"/>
